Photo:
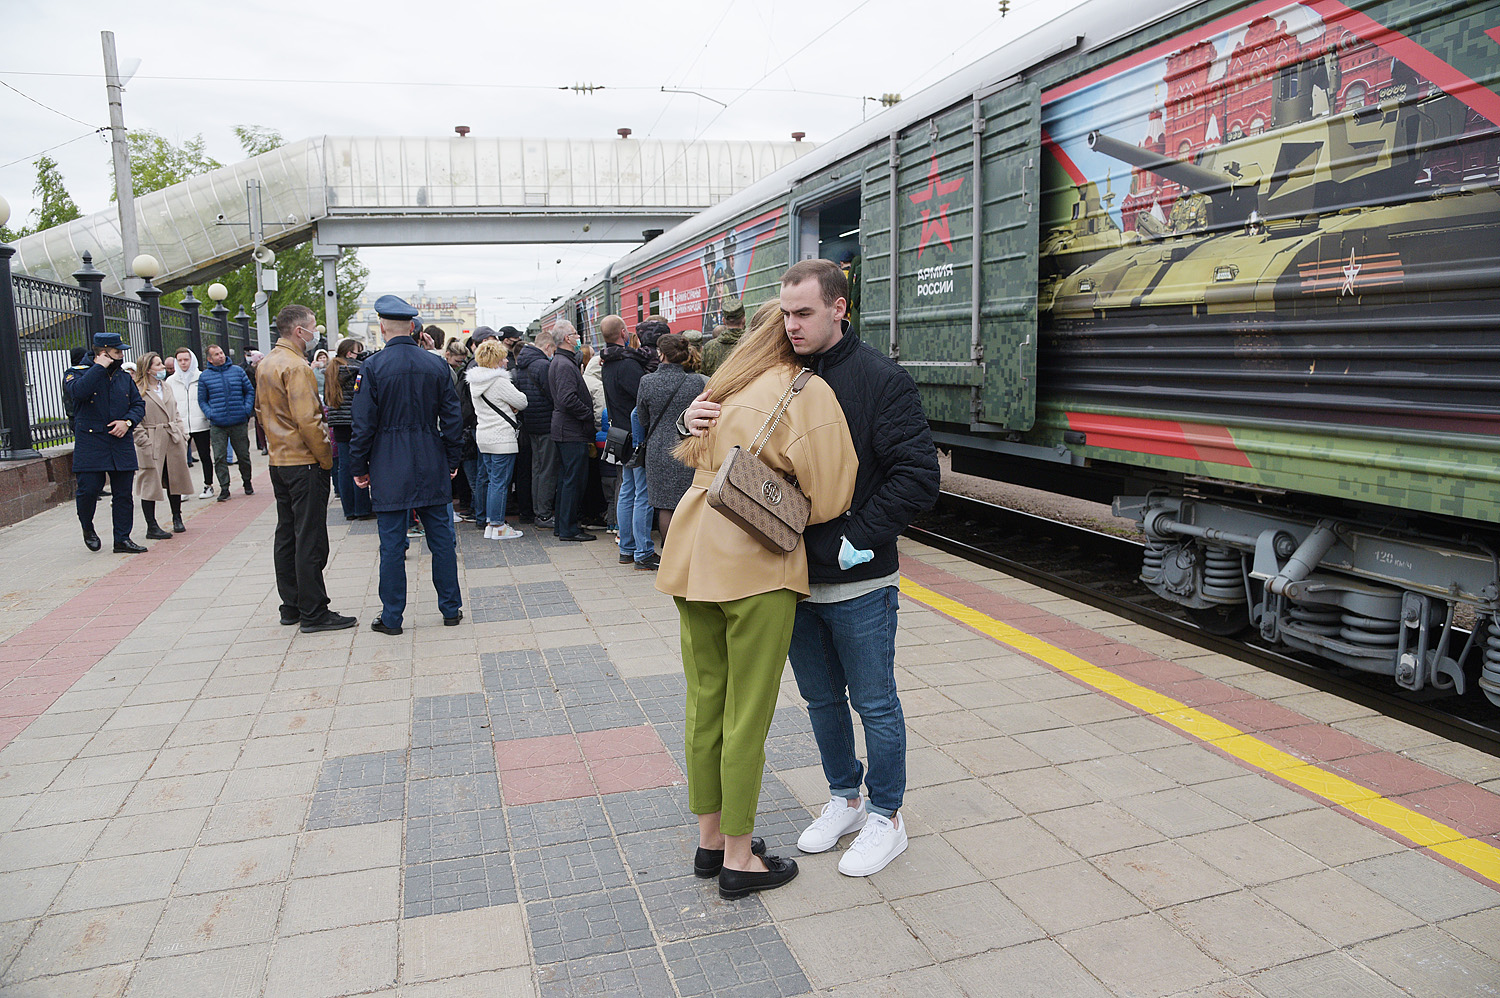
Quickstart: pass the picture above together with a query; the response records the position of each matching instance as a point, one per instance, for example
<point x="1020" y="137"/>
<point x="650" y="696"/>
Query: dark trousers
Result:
<point x="222" y="437"/>
<point x="522" y="479"/>
<point x="437" y="524"/>
<point x="544" y="459"/>
<point x="91" y="486"/>
<point x="301" y="550"/>
<point x="574" y="459"/>
<point x="205" y="455"/>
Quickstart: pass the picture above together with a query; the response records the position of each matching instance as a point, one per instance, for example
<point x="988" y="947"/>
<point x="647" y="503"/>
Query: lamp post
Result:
<point x="15" y="416"/>
<point x="146" y="267"/>
<point x="218" y="292"/>
<point x="195" y="322"/>
<point x="322" y="336"/>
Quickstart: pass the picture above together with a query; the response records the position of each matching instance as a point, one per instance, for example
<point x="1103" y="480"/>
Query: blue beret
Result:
<point x="110" y="340"/>
<point x="391" y="307"/>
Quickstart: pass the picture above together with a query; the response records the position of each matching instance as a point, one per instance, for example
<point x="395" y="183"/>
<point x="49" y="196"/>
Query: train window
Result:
<point x="830" y="230"/>
<point x="656" y="301"/>
<point x="640" y="307"/>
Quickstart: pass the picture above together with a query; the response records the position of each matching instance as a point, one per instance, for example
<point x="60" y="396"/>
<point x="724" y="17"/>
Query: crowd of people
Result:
<point x="521" y="430"/>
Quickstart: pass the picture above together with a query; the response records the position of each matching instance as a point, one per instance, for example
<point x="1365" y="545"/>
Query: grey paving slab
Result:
<point x="963" y="921"/>
<point x="85" y="940"/>
<point x="1338" y="908"/>
<point x="568" y="868"/>
<point x="553" y="822"/>
<point x="103" y="883"/>
<point x="367" y="770"/>
<point x="452" y="794"/>
<point x="234" y="972"/>
<point x="337" y="962"/>
<point x="1328" y="975"/>
<point x="452" y="760"/>
<point x="237" y="864"/>
<point x="217" y="920"/>
<point x="1243" y="932"/>
<point x="746" y="963"/>
<point x="356" y="806"/>
<point x="448" y="885"/>
<point x="530" y="601"/>
<point x="316" y="903"/>
<point x="636" y="973"/>
<point x="454" y="945"/>
<point x="1041" y="969"/>
<point x="588" y="924"/>
<point x="34" y="847"/>
<point x="643" y="810"/>
<point x="356" y="847"/>
<point x="1429" y="963"/>
<point x="29" y="893"/>
<point x="684" y="907"/>
<point x="455" y="836"/>
<point x="1423" y="886"/>
<point x="1142" y="954"/>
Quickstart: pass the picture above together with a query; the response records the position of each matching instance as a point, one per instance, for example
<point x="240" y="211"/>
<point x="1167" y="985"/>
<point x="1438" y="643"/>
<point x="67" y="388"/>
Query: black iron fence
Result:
<point x="42" y="322"/>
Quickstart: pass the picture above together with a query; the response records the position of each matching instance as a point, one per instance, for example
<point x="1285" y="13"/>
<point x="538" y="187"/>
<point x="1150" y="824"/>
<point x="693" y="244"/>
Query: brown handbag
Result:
<point x="770" y="508"/>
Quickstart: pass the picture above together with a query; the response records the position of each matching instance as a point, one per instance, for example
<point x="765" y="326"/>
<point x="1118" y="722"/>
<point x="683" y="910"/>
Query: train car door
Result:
<point x="960" y="313"/>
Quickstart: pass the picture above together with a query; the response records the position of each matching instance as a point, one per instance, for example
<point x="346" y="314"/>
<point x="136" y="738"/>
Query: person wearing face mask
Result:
<point x="160" y="448"/>
<point x="288" y="407"/>
<point x="106" y="407"/>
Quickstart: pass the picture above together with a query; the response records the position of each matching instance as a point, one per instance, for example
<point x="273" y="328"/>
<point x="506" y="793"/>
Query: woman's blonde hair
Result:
<point x="764" y="348"/>
<point x="491" y="353"/>
<point x="142" y="373"/>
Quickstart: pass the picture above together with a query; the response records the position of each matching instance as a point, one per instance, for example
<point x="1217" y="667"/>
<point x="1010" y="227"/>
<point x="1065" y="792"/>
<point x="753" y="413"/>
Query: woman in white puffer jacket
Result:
<point x="496" y="402"/>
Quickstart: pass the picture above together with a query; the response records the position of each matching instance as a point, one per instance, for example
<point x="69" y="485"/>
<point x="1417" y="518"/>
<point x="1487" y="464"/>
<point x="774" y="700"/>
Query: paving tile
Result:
<point x="264" y="783"/>
<point x="12" y="935"/>
<point x="455" y="836"/>
<point x="569" y="868"/>
<point x="747" y="963"/>
<point x="1328" y="975"/>
<point x="217" y="920"/>
<point x="175" y="792"/>
<point x="253" y="820"/>
<point x="1009" y="847"/>
<point x="585" y="925"/>
<point x="1143" y="954"/>
<point x="452" y="794"/>
<point x="684" y="907"/>
<point x="1250" y="855"/>
<point x="367" y="770"/>
<point x="85" y="940"/>
<point x="1190" y="764"/>
<point x="956" y="805"/>
<point x="930" y="982"/>
<point x="29" y="893"/>
<point x="336" y="962"/>
<point x="236" y="972"/>
<point x="1040" y="969"/>
<point x="49" y="846"/>
<point x="1068" y="897"/>
<point x="546" y="783"/>
<point x="237" y="864"/>
<point x="636" y="973"/>
<point x="1163" y="874"/>
<point x="642" y="810"/>
<point x="1092" y="829"/>
<point x="1331" y="836"/>
<point x="1480" y="930"/>
<point x="356" y="805"/>
<point x="341" y="899"/>
<point x="1243" y="932"/>
<point x="636" y="772"/>
<point x="92" y="771"/>
<point x="103" y="883"/>
<point x="339" y="850"/>
<point x="513" y="983"/>
<point x="1427" y="962"/>
<point x="1180" y="811"/>
<point x="536" y="825"/>
<point x="1255" y="796"/>
<point x="465" y="942"/>
<point x="73" y="806"/>
<point x="928" y="864"/>
<point x="1337" y="908"/>
<point x="533" y="753"/>
<point x="596" y="717"/>
<point x="458" y="885"/>
<point x="963" y="921"/>
<point x="1422" y="885"/>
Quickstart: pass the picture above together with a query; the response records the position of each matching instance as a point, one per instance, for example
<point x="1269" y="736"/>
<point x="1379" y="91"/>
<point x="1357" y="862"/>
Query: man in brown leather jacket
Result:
<point x="288" y="409"/>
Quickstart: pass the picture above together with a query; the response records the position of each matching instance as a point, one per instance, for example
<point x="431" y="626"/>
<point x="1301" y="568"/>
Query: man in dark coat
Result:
<point x="622" y="369"/>
<point x="572" y="430"/>
<point x="530" y="375"/>
<point x="226" y="394"/>
<point x="107" y="407"/>
<point x="406" y="447"/>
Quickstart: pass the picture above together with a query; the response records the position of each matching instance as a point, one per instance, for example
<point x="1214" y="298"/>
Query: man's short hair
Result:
<point x="395" y="327"/>
<point x="292" y="316"/>
<point x="182" y="350"/>
<point x="215" y="346"/>
<point x="829" y="275"/>
<point x="612" y="328"/>
<point x="545" y="339"/>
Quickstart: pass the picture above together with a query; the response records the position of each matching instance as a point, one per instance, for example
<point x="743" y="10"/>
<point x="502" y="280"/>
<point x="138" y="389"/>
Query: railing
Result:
<point x="42" y="322"/>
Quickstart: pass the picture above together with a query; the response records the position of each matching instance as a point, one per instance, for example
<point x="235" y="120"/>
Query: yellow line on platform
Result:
<point x="1471" y="853"/>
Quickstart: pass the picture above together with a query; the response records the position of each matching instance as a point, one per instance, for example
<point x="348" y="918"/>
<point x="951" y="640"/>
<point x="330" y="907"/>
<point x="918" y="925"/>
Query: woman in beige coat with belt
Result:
<point x="160" y="449"/>
<point x="737" y="599"/>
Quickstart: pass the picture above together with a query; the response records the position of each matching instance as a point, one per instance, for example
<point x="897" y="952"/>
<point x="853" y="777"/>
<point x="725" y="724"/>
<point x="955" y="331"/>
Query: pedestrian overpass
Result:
<point x="402" y="191"/>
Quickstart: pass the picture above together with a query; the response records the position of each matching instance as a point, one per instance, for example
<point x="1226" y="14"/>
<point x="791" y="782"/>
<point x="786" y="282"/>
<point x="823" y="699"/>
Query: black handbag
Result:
<point x="617" y="444"/>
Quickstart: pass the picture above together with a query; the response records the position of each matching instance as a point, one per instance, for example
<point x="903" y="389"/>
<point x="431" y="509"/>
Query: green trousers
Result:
<point x="733" y="655"/>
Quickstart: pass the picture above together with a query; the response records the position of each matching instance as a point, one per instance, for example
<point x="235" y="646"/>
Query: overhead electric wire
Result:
<point x="47" y="107"/>
<point x="50" y="148"/>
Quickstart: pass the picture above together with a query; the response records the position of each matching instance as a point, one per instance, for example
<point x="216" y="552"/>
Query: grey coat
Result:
<point x="664" y="395"/>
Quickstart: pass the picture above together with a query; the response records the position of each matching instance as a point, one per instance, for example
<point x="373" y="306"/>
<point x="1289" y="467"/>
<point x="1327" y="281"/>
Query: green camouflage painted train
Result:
<point x="1234" y="268"/>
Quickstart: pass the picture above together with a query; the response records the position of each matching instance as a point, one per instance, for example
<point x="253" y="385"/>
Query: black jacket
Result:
<point x="407" y="430"/>
<point x="100" y="396"/>
<point x="530" y="375"/>
<point x="573" y="408"/>
<point x="621" y="373"/>
<point x="898" y="474"/>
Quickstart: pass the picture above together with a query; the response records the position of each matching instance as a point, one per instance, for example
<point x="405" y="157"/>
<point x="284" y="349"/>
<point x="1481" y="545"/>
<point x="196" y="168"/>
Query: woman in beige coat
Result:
<point x="737" y="599"/>
<point x="160" y="449"/>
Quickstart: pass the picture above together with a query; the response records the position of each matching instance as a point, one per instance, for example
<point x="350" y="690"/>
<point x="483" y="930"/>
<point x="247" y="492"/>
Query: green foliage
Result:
<point x="156" y="163"/>
<point x="54" y="204"/>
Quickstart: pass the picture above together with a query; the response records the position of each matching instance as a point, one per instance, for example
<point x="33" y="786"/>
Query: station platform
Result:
<point x="195" y="800"/>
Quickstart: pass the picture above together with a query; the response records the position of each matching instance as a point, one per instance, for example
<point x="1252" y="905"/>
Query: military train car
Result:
<point x="1235" y="268"/>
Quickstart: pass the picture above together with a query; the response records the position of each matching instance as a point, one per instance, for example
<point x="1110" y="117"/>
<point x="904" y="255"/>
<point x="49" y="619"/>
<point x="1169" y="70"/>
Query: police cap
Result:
<point x="112" y="340"/>
<point x="391" y="307"/>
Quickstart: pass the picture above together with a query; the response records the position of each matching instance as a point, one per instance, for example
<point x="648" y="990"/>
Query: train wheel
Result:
<point x="1224" y="621"/>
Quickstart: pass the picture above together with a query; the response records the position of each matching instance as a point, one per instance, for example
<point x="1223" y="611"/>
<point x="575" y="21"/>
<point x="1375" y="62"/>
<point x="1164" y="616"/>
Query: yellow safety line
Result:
<point x="1474" y="854"/>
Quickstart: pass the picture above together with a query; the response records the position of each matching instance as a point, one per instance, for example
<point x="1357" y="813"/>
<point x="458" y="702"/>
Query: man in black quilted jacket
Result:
<point x="572" y="430"/>
<point x="844" y="639"/>
<point x="530" y="375"/>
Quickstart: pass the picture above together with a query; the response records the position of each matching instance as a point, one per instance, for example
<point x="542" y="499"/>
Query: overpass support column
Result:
<point x="330" y="257"/>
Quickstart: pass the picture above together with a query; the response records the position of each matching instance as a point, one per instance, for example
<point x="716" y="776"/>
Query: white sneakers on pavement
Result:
<point x="880" y="842"/>
<point x="506" y="533"/>
<point x="207" y="493"/>
<point x="837" y="820"/>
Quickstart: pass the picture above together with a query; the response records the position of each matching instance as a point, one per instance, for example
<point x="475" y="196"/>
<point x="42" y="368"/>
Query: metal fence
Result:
<point x="51" y="319"/>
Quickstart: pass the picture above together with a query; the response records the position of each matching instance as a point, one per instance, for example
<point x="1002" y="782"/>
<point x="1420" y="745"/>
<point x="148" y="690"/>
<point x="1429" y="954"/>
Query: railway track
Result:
<point x="1100" y="569"/>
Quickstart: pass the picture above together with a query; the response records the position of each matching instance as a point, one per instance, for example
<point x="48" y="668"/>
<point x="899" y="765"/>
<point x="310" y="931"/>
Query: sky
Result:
<point x="503" y="68"/>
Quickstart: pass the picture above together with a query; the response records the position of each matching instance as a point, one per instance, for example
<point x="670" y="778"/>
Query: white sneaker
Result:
<point x="837" y="819"/>
<point x="879" y="843"/>
<point x="506" y="533"/>
<point x="207" y="493"/>
<point x="489" y="533"/>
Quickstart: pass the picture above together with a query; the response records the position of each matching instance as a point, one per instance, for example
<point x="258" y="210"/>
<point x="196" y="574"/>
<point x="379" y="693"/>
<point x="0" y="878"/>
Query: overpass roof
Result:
<point x="198" y="228"/>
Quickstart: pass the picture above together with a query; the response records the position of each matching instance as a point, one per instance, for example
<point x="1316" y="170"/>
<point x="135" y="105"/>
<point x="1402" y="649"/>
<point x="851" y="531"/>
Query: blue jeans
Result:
<point x="437" y="521"/>
<point x="478" y="475"/>
<point x="633" y="514"/>
<point x="495" y="471"/>
<point x="354" y="500"/>
<point x="843" y="654"/>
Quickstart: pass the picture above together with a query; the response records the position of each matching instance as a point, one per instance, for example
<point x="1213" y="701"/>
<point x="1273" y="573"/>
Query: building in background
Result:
<point x="456" y="312"/>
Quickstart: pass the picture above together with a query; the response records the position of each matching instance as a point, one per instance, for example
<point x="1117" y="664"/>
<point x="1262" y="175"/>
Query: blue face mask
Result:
<point x="161" y="375"/>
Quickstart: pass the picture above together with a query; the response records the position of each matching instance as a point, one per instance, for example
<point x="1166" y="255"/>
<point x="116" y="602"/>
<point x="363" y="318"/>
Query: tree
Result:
<point x="156" y="163"/>
<point x="54" y="204"/>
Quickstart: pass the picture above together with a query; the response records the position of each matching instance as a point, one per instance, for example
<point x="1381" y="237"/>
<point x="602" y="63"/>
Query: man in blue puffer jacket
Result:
<point x="227" y="398"/>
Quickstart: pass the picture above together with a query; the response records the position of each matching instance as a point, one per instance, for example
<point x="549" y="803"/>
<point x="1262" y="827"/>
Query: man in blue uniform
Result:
<point x="107" y="407"/>
<point x="406" y="446"/>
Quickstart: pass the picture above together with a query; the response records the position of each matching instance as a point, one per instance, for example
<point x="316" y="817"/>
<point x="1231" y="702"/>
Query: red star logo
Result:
<point x="939" y="227"/>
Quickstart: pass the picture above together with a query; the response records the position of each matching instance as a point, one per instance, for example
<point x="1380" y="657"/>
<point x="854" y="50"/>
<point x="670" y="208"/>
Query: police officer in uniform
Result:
<point x="107" y="407"/>
<point x="406" y="446"/>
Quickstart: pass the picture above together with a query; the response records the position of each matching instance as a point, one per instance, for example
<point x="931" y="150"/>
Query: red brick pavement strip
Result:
<point x="564" y="767"/>
<point x="1472" y="810"/>
<point x="41" y="662"/>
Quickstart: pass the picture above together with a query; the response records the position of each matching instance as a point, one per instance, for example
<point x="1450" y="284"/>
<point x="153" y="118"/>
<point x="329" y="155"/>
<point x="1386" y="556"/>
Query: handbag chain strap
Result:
<point x="773" y="419"/>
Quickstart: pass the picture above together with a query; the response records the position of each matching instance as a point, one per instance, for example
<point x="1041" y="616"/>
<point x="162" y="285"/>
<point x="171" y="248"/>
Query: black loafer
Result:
<point x="453" y="621"/>
<point x="738" y="883"/>
<point x="91" y="539"/>
<point x="708" y="862"/>
<point x="382" y="627"/>
<point x="129" y="547"/>
<point x="157" y="534"/>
